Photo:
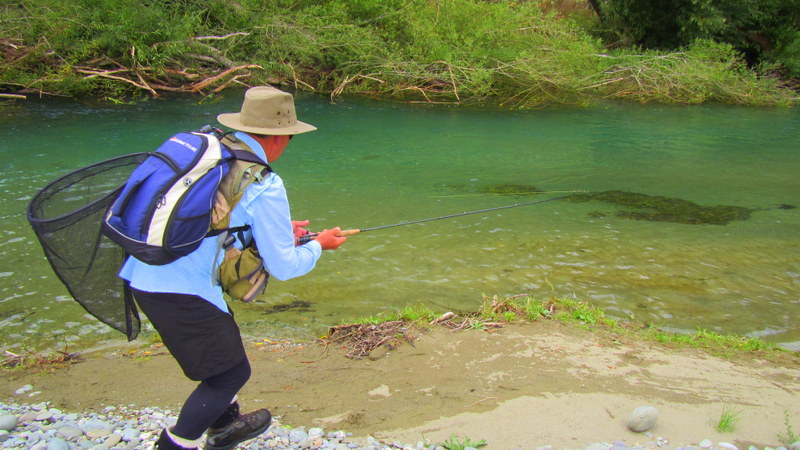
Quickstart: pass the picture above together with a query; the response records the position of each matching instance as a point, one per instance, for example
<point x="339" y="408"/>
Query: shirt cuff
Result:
<point x="314" y="246"/>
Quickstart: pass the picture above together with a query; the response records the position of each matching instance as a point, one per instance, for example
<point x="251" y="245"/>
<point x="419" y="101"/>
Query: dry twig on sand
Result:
<point x="361" y="339"/>
<point x="30" y="360"/>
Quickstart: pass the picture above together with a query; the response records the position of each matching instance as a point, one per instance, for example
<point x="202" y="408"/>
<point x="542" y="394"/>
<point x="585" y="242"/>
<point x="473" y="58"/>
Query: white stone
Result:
<point x="24" y="389"/>
<point x="112" y="440"/>
<point x="68" y="432"/>
<point x="98" y="433"/>
<point x="642" y="419"/>
<point x="8" y="422"/>
<point x="57" y="444"/>
<point x="380" y="391"/>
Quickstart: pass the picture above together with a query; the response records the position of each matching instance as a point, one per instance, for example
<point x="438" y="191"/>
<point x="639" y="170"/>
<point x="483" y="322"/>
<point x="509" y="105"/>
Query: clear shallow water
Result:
<point x="372" y="163"/>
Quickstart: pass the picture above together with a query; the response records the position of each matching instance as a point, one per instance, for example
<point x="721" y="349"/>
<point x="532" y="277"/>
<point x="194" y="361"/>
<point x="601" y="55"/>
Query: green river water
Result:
<point x="375" y="163"/>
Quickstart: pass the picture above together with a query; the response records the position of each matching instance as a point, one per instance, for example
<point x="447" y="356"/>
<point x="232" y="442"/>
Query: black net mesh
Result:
<point x="66" y="217"/>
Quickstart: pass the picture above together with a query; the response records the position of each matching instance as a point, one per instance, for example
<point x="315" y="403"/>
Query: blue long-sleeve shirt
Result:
<point x="265" y="207"/>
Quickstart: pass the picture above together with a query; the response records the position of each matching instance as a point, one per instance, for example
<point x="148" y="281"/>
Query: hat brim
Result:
<point x="233" y="120"/>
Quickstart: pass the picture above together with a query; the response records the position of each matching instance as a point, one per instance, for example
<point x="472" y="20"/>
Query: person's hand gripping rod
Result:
<point x="311" y="236"/>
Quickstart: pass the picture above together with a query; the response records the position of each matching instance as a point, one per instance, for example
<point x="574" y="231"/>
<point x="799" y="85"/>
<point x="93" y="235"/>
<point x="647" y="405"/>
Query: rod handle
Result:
<point x="310" y="236"/>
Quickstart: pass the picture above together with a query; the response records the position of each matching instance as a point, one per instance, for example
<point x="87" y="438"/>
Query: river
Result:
<point x="375" y="163"/>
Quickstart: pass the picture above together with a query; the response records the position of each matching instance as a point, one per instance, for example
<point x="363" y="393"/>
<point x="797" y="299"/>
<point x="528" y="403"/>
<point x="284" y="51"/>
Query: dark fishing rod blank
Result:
<point x="307" y="237"/>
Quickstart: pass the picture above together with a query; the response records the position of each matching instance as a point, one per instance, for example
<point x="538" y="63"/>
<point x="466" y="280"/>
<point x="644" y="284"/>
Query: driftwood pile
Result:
<point x="360" y="340"/>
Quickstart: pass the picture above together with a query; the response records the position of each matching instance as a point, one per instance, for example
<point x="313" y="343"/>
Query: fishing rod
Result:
<point x="307" y="237"/>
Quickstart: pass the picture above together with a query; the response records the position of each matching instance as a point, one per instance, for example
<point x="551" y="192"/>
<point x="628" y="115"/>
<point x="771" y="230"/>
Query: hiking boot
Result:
<point x="227" y="417"/>
<point x="244" y="427"/>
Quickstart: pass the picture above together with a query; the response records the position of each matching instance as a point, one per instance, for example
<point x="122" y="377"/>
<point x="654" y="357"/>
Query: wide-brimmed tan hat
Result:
<point x="266" y="110"/>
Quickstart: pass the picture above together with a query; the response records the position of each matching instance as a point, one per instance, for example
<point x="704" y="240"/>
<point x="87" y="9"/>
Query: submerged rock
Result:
<point x="510" y="189"/>
<point x="664" y="209"/>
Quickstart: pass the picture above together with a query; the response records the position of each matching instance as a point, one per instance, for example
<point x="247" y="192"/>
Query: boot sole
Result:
<point x="252" y="435"/>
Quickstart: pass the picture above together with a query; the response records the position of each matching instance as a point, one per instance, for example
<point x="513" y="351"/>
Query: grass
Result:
<point x="719" y="343"/>
<point x="496" y="312"/>
<point x="728" y="420"/>
<point x="790" y="437"/>
<point x="415" y="313"/>
<point x="456" y="444"/>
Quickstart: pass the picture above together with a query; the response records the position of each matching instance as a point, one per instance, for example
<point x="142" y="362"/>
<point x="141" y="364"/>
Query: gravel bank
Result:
<point x="40" y="427"/>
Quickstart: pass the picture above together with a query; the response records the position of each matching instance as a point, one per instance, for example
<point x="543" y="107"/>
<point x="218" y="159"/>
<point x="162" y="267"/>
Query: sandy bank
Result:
<point x="521" y="387"/>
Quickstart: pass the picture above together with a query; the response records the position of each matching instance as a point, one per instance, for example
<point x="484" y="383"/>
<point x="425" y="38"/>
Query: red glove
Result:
<point x="329" y="240"/>
<point x="299" y="230"/>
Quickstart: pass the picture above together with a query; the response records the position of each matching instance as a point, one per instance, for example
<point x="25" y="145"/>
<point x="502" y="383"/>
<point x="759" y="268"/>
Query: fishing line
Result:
<point x="307" y="237"/>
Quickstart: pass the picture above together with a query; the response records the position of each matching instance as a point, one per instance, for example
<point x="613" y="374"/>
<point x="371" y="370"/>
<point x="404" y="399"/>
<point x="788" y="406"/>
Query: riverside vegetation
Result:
<point x="368" y="333"/>
<point x="521" y="54"/>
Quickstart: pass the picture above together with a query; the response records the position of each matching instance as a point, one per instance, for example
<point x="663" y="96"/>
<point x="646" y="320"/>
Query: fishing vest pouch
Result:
<point x="242" y="274"/>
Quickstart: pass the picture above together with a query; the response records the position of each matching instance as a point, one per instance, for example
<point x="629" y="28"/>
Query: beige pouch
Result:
<point x="242" y="274"/>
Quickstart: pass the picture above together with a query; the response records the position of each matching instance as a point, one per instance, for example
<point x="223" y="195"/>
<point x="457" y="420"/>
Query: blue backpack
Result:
<point x="165" y="209"/>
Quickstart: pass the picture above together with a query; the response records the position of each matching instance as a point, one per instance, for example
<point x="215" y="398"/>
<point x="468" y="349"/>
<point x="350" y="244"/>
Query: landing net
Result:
<point x="66" y="216"/>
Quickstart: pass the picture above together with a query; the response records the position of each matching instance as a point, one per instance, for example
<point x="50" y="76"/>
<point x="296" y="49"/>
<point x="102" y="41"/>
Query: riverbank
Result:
<point x="520" y="386"/>
<point x="520" y="54"/>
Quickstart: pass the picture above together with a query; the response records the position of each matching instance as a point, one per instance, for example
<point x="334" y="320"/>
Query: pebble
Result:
<point x="112" y="440"/>
<point x="57" y="444"/>
<point x="69" y="432"/>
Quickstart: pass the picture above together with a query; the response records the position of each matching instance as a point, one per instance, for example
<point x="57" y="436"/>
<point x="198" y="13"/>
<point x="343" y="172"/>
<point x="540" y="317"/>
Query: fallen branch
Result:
<point x="108" y="74"/>
<point x="347" y="80"/>
<point x="216" y="38"/>
<point x="485" y="398"/>
<point x="298" y="80"/>
<point x="443" y="318"/>
<point x="144" y="83"/>
<point x="214" y="55"/>
<point x="200" y="85"/>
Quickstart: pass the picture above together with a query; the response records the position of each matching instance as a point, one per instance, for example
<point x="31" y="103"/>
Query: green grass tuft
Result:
<point x="728" y="420"/>
<point x="455" y="444"/>
<point x="790" y="437"/>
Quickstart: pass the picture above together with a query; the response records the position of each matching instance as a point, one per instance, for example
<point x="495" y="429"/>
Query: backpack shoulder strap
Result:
<point x="245" y="168"/>
<point x="243" y="152"/>
<point x="249" y="156"/>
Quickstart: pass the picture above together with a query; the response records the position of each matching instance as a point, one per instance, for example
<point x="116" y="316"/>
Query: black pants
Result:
<point x="207" y="345"/>
<point x="209" y="400"/>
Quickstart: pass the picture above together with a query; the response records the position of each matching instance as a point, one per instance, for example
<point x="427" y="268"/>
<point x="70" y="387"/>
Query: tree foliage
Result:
<point x="766" y="32"/>
<point x="520" y="53"/>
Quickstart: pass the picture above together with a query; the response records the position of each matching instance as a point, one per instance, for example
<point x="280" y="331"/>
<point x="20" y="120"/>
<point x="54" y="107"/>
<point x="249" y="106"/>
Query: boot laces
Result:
<point x="253" y="419"/>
